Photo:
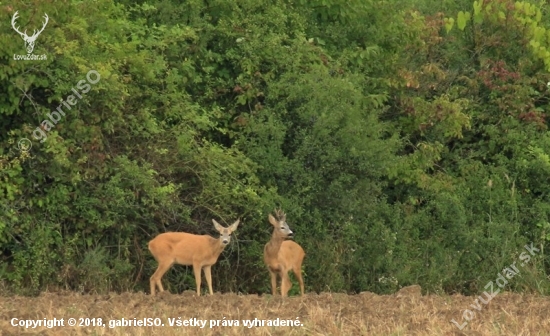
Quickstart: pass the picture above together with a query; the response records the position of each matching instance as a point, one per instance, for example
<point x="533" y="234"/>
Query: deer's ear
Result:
<point x="234" y="226"/>
<point x="217" y="225"/>
<point x="272" y="220"/>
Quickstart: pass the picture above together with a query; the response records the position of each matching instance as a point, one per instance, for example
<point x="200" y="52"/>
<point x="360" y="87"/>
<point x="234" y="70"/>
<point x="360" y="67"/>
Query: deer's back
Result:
<point x="179" y="247"/>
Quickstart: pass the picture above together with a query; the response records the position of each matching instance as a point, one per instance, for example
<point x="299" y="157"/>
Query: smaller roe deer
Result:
<point x="200" y="251"/>
<point x="282" y="255"/>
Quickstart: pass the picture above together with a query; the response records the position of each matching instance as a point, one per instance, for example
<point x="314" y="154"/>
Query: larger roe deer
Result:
<point x="282" y="256"/>
<point x="200" y="251"/>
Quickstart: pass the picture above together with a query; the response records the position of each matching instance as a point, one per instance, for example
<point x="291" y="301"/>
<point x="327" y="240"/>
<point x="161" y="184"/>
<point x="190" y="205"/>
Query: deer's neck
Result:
<point x="274" y="245"/>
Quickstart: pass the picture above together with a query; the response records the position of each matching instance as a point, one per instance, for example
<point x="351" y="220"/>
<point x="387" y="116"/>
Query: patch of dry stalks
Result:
<point x="404" y="313"/>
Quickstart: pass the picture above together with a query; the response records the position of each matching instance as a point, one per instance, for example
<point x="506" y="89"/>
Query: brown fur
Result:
<point x="282" y="256"/>
<point x="199" y="251"/>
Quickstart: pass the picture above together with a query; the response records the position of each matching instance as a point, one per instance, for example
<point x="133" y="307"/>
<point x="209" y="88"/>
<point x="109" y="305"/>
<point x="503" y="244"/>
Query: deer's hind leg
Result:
<point x="156" y="278"/>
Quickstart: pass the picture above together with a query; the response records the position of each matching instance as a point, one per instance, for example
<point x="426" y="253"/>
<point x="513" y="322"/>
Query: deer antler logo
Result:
<point x="29" y="40"/>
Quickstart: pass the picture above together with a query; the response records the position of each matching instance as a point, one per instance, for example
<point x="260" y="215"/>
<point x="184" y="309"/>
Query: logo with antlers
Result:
<point x="29" y="40"/>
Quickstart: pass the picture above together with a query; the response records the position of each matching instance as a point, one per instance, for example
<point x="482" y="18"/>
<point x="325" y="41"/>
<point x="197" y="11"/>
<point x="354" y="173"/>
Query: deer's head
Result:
<point x="225" y="233"/>
<point x="280" y="225"/>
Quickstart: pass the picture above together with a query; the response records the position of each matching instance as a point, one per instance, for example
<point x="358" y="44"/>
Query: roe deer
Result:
<point x="282" y="255"/>
<point x="199" y="251"/>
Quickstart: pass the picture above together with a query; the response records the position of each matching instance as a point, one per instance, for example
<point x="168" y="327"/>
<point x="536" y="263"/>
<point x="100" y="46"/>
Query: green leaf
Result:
<point x="478" y="16"/>
<point x="449" y="23"/>
<point x="462" y="19"/>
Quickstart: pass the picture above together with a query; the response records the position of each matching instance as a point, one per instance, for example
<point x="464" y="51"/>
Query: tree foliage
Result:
<point x="406" y="142"/>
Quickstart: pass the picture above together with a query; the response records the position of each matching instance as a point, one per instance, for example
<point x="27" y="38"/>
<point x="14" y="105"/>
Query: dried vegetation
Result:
<point x="404" y="313"/>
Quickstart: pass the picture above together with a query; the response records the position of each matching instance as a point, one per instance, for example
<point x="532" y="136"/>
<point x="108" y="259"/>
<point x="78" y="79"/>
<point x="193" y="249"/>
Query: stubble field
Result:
<point x="404" y="313"/>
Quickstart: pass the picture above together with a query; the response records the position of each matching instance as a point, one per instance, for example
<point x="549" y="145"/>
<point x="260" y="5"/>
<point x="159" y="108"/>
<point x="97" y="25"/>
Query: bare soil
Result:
<point x="404" y="313"/>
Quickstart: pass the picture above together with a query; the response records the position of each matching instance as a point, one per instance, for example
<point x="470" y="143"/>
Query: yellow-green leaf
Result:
<point x="461" y="20"/>
<point x="449" y="23"/>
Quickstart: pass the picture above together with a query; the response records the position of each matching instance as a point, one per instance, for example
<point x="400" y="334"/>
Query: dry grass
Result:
<point x="405" y="313"/>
